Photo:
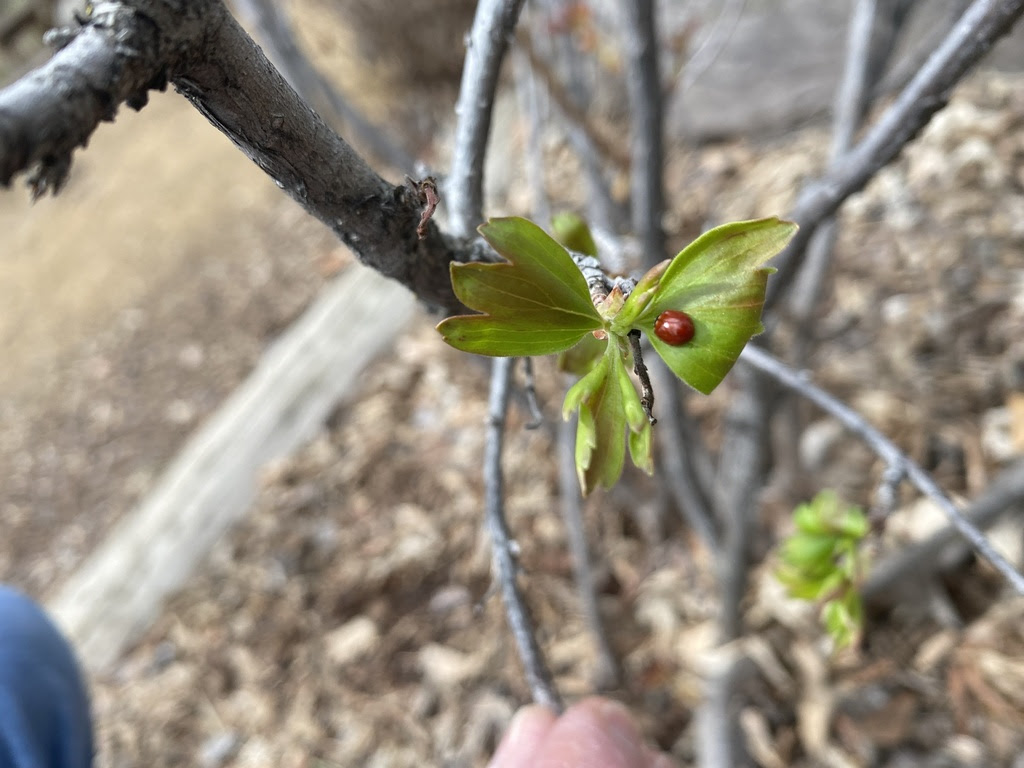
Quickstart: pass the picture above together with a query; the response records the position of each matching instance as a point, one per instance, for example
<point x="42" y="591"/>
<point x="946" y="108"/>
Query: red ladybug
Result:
<point x="674" y="327"/>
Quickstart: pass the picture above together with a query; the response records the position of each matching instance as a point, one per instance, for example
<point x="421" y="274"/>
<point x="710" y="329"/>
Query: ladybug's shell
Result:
<point x="675" y="328"/>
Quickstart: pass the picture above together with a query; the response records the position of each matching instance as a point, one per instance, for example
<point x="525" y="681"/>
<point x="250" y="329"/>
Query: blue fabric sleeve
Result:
<point x="44" y="707"/>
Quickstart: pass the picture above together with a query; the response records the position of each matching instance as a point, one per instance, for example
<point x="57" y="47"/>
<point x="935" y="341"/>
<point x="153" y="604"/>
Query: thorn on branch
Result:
<point x="640" y="369"/>
<point x="426" y="191"/>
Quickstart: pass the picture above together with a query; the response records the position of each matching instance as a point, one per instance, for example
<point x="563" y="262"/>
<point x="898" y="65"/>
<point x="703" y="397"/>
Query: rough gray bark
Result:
<point x="125" y="49"/>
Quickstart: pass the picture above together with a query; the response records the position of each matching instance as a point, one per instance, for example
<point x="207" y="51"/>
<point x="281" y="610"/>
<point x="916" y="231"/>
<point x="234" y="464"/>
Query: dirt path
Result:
<point x="132" y="304"/>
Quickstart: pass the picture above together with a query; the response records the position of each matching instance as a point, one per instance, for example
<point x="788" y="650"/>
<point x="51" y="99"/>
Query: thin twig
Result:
<point x="586" y="142"/>
<point x="741" y="471"/>
<point x="647" y="151"/>
<point x="924" y="560"/>
<point x="640" y="369"/>
<point x="537" y="674"/>
<point x="849" y="108"/>
<point x="608" y="672"/>
<point x="971" y="38"/>
<point x="493" y="25"/>
<point x="885" y="449"/>
<point x="714" y="43"/>
<point x="529" y="105"/>
<point x="676" y="461"/>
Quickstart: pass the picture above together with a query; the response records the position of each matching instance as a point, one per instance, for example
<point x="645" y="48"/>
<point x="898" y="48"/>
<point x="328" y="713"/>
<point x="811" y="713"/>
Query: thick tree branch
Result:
<point x="275" y="29"/>
<point x="117" y="58"/>
<point x="126" y="48"/>
<point x="970" y="39"/>
<point x="886" y="450"/>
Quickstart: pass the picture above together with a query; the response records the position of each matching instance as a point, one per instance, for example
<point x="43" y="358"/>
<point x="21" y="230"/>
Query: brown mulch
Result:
<point x="350" y="619"/>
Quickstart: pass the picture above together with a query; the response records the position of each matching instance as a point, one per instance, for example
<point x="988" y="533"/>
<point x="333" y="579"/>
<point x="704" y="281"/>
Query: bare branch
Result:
<point x="677" y="460"/>
<point x="608" y="673"/>
<point x="123" y="50"/>
<point x="606" y="147"/>
<point x="886" y="450"/>
<point x="647" y="151"/>
<point x="969" y="40"/>
<point x="714" y="42"/>
<point x="537" y="674"/>
<point x="118" y="57"/>
<point x="850" y="102"/>
<point x="719" y="741"/>
<point x="741" y="472"/>
<point x="928" y="558"/>
<point x="493" y="25"/>
<point x="529" y="105"/>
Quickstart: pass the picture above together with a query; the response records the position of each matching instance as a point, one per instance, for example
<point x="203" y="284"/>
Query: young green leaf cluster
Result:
<point x="822" y="561"/>
<point x="538" y="303"/>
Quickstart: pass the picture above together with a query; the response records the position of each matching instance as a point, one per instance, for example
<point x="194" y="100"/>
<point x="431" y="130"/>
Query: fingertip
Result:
<point x="660" y="760"/>
<point x="598" y="731"/>
<point x="529" y="727"/>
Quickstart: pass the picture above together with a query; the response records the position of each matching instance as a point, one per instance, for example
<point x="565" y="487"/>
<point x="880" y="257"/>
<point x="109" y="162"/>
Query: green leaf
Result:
<point x="537" y="304"/>
<point x="639" y="434"/>
<point x="718" y="280"/>
<point x="572" y="231"/>
<point x="600" y="449"/>
<point x="645" y="290"/>
<point x="581" y="358"/>
<point x="823" y="561"/>
<point x="843" y="619"/>
<point x="609" y="407"/>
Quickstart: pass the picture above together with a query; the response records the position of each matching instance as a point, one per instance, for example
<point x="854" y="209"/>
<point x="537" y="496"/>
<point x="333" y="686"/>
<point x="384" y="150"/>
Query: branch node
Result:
<point x="427" y="192"/>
